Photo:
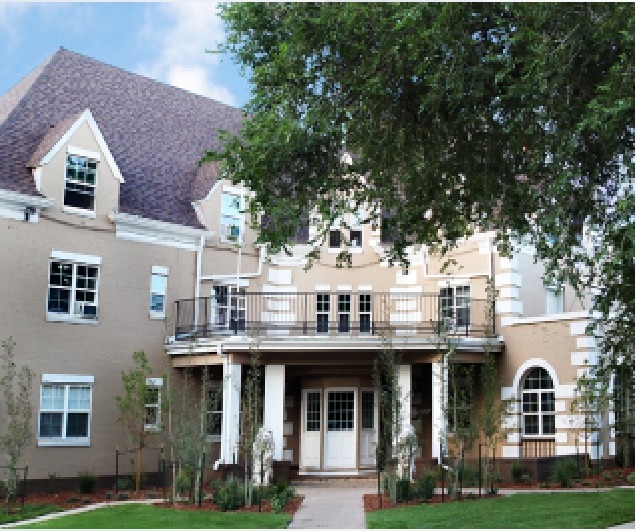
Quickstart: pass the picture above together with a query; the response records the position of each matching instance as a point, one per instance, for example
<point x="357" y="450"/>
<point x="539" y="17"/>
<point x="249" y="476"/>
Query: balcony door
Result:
<point x="228" y="309"/>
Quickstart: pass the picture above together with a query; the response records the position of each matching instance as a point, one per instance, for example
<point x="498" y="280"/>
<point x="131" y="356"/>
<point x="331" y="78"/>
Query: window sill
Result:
<point x="79" y="212"/>
<point x="83" y="442"/>
<point x="73" y="319"/>
<point x="337" y="250"/>
<point x="157" y="316"/>
<point x="213" y="438"/>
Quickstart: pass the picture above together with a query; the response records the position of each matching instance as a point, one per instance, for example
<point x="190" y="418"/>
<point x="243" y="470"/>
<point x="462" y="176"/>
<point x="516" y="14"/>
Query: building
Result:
<point x="115" y="240"/>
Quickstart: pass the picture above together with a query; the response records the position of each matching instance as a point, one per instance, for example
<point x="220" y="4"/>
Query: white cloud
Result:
<point x="180" y="33"/>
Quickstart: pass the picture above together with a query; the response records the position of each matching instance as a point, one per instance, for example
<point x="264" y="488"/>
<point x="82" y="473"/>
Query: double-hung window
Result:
<point x="80" y="182"/>
<point x="344" y="312"/>
<point x="323" y="309"/>
<point x="65" y="410"/>
<point x="231" y="228"/>
<point x="153" y="404"/>
<point x="364" y="312"/>
<point x="158" y="290"/>
<point x="73" y="287"/>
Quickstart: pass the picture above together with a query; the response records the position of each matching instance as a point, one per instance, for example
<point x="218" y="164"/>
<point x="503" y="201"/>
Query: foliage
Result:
<point x="513" y="117"/>
<point x="132" y="405"/>
<point x="87" y="481"/>
<point x="284" y="493"/>
<point x="230" y="496"/>
<point x="564" y="472"/>
<point x="403" y="490"/>
<point x="631" y="478"/>
<point x="385" y="381"/>
<point x="559" y="510"/>
<point x="252" y="413"/>
<point x="17" y="412"/>
<point x="188" y="435"/>
<point x="28" y="512"/>
<point x="518" y="472"/>
<point x="425" y="486"/>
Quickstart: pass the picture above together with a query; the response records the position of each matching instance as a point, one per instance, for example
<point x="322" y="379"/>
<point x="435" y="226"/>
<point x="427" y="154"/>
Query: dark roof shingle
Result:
<point x="157" y="133"/>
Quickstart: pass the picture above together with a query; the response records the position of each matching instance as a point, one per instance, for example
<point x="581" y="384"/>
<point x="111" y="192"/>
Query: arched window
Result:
<point x="538" y="403"/>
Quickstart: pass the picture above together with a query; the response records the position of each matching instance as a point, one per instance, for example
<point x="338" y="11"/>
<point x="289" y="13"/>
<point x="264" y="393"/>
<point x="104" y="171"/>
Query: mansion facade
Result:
<point x="115" y="240"/>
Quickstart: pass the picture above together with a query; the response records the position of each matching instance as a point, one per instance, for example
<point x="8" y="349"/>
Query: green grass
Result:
<point x="29" y="511"/>
<point x="556" y="510"/>
<point x="140" y="516"/>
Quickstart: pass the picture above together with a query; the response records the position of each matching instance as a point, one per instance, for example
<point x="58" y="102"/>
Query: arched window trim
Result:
<point x="538" y="405"/>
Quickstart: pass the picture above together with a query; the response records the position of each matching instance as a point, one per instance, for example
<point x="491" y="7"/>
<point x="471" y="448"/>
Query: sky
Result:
<point x="166" y="41"/>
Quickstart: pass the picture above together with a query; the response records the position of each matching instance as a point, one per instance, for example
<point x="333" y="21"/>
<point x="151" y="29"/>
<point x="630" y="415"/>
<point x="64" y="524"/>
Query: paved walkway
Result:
<point x="336" y="504"/>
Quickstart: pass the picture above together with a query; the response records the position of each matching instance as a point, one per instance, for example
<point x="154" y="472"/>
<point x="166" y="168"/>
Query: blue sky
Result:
<point x="164" y="40"/>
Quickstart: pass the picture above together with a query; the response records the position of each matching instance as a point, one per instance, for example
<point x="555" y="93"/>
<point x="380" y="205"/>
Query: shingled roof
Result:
<point x="157" y="133"/>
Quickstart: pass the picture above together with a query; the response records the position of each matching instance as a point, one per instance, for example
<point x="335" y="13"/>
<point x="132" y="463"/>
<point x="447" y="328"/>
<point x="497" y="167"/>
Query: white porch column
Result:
<point x="439" y="398"/>
<point x="274" y="407"/>
<point x="404" y="382"/>
<point x="231" y="410"/>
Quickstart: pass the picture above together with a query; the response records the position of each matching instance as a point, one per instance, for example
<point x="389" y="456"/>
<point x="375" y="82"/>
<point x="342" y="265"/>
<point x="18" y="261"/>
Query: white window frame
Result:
<point x="344" y="302"/>
<point x="323" y="300"/>
<point x="554" y="298"/>
<point x="364" y="299"/>
<point x="231" y="223"/>
<point x="153" y="384"/>
<point x="540" y="412"/>
<point x="90" y="158"/>
<point x="65" y="382"/>
<point x="84" y="312"/>
<point x="459" y="298"/>
<point x="159" y="274"/>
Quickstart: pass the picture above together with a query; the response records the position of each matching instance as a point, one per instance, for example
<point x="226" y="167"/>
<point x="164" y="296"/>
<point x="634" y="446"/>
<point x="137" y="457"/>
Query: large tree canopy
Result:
<point x="513" y="117"/>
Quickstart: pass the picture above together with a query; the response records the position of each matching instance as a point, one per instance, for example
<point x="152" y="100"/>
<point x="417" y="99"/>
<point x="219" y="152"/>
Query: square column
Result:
<point x="231" y="412"/>
<point x="438" y="431"/>
<point x="274" y="406"/>
<point x="404" y="382"/>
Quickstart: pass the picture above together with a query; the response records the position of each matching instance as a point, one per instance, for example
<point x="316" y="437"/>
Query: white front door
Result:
<point x="368" y="427"/>
<point x="340" y="434"/>
<point x="312" y="421"/>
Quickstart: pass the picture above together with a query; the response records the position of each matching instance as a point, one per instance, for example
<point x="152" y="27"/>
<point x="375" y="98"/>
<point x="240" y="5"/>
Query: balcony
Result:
<point x="328" y="314"/>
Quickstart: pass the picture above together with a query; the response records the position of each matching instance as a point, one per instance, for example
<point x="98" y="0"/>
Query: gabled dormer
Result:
<point x="75" y="168"/>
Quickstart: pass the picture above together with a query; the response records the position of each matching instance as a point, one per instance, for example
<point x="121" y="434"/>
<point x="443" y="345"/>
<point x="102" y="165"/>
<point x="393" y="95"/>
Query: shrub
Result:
<point x="124" y="484"/>
<point x="469" y="476"/>
<point x="87" y="482"/>
<point x="564" y="472"/>
<point x="425" y="486"/>
<point x="631" y="478"/>
<point x="230" y="496"/>
<point x="182" y="482"/>
<point x="403" y="490"/>
<point x="517" y="471"/>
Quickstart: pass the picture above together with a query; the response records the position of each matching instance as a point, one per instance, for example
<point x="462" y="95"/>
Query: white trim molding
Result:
<point x="14" y="205"/>
<point x="144" y="230"/>
<point x="86" y="117"/>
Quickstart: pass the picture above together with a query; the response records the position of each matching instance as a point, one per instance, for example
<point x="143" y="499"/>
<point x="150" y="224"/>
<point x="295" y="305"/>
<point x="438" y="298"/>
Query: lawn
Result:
<point x="29" y="511"/>
<point x="140" y="516"/>
<point x="556" y="510"/>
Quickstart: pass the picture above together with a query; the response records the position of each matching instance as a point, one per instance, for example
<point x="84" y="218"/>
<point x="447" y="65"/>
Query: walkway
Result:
<point x="334" y="504"/>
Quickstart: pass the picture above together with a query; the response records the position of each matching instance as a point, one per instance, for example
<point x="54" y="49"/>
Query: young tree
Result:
<point x="514" y="117"/>
<point x="18" y="411"/>
<point x="132" y="406"/>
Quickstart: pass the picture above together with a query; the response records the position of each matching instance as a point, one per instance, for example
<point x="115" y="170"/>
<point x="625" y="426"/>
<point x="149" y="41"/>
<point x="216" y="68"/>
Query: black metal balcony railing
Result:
<point x="334" y="314"/>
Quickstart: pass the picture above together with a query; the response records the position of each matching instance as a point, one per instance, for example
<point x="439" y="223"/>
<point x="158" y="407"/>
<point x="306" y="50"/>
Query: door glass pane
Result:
<point x="368" y="415"/>
<point x="313" y="411"/>
<point x="340" y="407"/>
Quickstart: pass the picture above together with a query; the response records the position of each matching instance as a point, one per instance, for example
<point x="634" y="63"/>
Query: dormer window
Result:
<point x="231" y="229"/>
<point x="80" y="182"/>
